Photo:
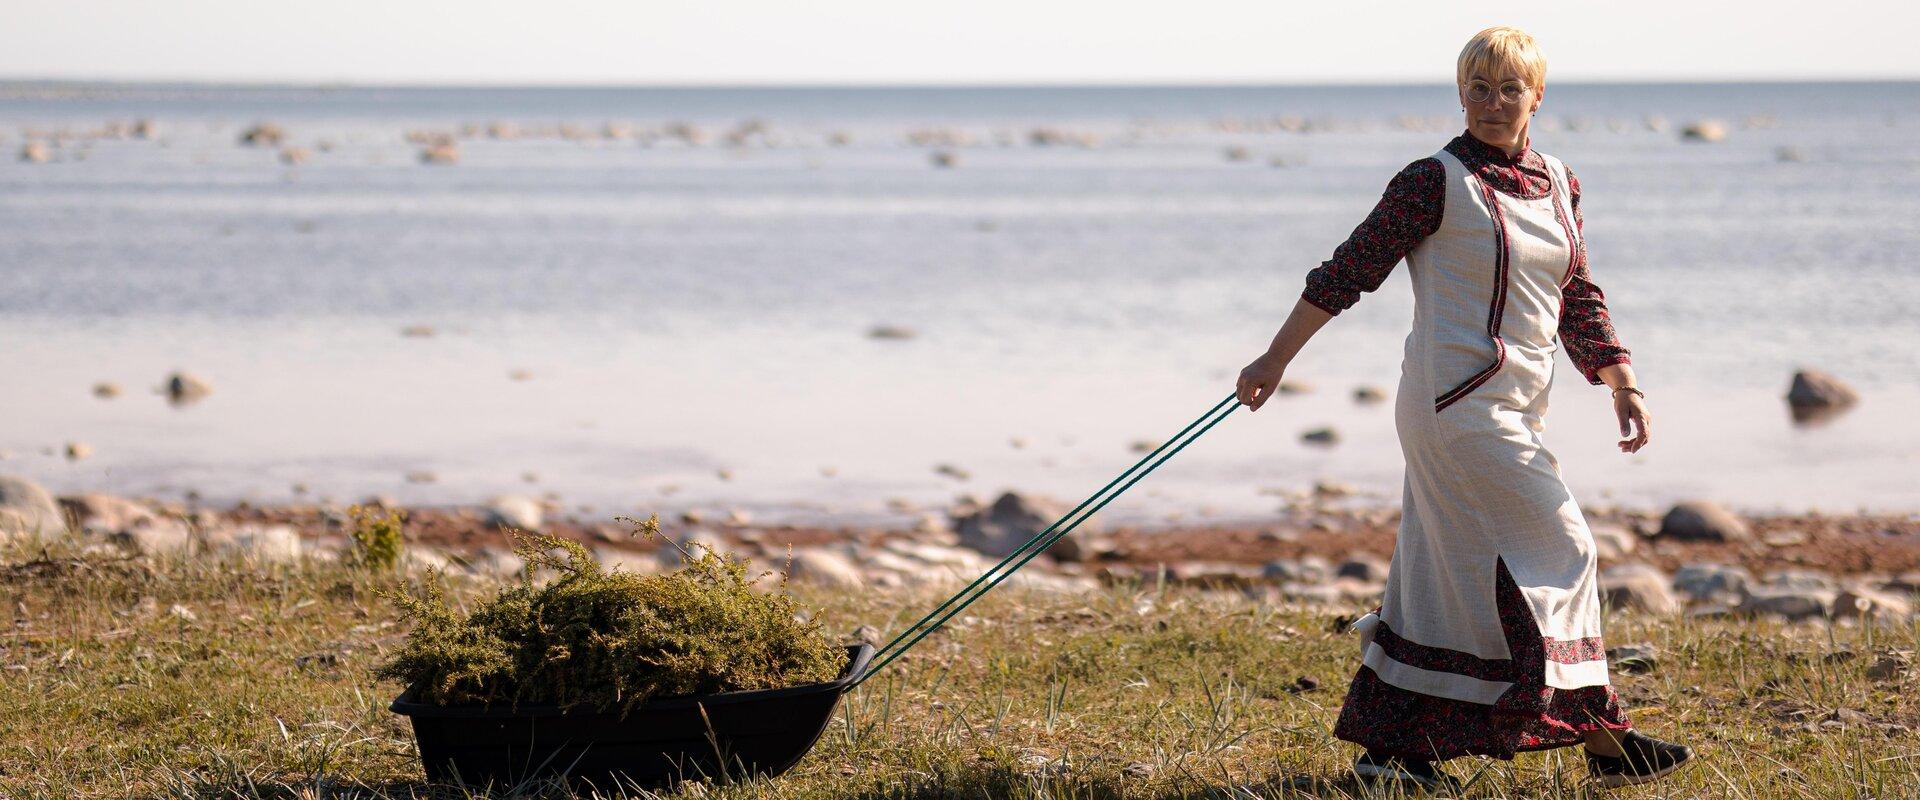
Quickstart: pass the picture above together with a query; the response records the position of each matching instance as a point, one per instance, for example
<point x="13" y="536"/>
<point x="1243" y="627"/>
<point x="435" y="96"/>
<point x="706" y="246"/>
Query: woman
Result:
<point x="1487" y="641"/>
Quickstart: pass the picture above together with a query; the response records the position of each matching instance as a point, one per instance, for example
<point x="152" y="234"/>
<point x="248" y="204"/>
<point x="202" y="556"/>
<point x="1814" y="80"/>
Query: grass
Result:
<point x="226" y="679"/>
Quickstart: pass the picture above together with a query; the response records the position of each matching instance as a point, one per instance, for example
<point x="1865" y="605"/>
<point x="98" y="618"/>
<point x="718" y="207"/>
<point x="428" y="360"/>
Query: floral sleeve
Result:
<point x="1408" y="212"/>
<point x="1586" y="330"/>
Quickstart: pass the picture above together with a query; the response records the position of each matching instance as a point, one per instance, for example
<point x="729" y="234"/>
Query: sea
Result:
<point x="664" y="299"/>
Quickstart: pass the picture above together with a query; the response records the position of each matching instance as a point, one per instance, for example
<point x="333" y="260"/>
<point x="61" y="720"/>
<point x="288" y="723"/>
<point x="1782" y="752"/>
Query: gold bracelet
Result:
<point x="1633" y="389"/>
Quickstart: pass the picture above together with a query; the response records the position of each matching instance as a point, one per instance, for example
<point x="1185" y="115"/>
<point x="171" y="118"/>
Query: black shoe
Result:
<point x="1378" y="770"/>
<point x="1646" y="759"/>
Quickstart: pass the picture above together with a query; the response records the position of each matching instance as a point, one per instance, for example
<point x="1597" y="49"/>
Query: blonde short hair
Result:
<point x="1498" y="49"/>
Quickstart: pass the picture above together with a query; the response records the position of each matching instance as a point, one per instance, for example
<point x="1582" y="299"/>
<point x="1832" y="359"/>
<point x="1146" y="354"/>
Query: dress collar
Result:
<point x="1493" y="153"/>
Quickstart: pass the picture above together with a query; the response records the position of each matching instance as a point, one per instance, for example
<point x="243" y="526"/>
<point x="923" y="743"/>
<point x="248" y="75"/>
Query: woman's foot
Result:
<point x="1642" y="758"/>
<point x="1378" y="770"/>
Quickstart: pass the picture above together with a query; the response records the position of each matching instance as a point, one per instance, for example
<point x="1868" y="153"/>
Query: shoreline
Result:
<point x="1330" y="526"/>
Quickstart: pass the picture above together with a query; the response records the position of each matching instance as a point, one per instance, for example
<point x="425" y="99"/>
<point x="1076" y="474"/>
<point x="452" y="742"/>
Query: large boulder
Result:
<point x="1815" y="388"/>
<point x="1000" y="529"/>
<point x="154" y="536"/>
<point x="1637" y="586"/>
<point x="1703" y="521"/>
<point x="28" y="510"/>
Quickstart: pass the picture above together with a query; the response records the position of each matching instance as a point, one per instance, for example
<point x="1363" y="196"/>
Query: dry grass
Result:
<point x="219" y="680"/>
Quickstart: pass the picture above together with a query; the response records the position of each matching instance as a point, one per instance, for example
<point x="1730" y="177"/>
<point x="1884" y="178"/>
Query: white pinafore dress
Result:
<point x="1481" y="487"/>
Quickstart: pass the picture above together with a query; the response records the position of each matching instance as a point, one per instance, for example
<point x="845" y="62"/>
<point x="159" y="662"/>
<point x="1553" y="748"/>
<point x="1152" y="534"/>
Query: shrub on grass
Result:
<point x="609" y="638"/>
<point x="376" y="538"/>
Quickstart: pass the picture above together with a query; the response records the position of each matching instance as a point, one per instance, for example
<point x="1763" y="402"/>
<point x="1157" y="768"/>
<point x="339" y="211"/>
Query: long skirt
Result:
<point x="1391" y="721"/>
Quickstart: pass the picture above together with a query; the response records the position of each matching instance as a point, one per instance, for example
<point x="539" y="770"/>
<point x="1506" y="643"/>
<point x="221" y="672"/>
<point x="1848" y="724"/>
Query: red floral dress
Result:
<point x="1389" y="720"/>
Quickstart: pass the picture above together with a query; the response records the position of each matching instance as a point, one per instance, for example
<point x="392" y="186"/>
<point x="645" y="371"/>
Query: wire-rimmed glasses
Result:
<point x="1479" y="91"/>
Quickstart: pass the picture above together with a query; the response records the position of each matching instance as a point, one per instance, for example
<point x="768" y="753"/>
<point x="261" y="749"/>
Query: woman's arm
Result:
<point x="1586" y="329"/>
<point x="1408" y="212"/>
<point x="1587" y="332"/>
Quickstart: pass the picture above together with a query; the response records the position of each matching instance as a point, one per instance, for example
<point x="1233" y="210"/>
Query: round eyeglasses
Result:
<point x="1479" y="91"/>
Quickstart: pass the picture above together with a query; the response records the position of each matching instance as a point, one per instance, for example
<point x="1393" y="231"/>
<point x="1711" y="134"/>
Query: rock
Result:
<point x="1703" y="521"/>
<point x="1306" y="569"/>
<point x="822" y="567"/>
<point x="182" y="613"/>
<point x="1792" y="604"/>
<point x="28" y="510"/>
<point x="865" y="633"/>
<point x="696" y="543"/>
<point x="183" y="388"/>
<point x="1706" y="130"/>
<point x="106" y="391"/>
<point x="1867" y="603"/>
<point x="1363" y="566"/>
<point x="1236" y="153"/>
<point x="103" y="514"/>
<point x="1799" y="579"/>
<point x="295" y="156"/>
<point x="78" y="450"/>
<point x="1889" y="665"/>
<point x="265" y="134"/>
<point x="1816" y="396"/>
<point x="496" y="563"/>
<point x="515" y="511"/>
<point x="1368" y="395"/>
<point x="421" y="559"/>
<point x="1637" y="586"/>
<point x="417" y="331"/>
<point x="1789" y="154"/>
<point x="1633" y="659"/>
<point x="1330" y="489"/>
<point x="154" y="536"/>
<point x="421" y="476"/>
<point x="943" y="159"/>
<point x="953" y="472"/>
<point x="1001" y="528"/>
<point x="1293" y="387"/>
<point x="270" y="543"/>
<point x="519" y="374"/>
<point x="890" y="332"/>
<point x="1613" y="542"/>
<point x="1321" y="436"/>
<point x="35" y="153"/>
<point x="442" y="153"/>
<point x="1710" y="582"/>
<point x="146" y="129"/>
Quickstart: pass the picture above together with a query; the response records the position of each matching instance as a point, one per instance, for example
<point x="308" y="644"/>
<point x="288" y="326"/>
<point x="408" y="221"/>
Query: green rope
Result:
<point x="1043" y="540"/>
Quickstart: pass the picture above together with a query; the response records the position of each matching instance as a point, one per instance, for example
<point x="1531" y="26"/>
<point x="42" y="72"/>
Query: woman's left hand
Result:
<point x="1632" y="411"/>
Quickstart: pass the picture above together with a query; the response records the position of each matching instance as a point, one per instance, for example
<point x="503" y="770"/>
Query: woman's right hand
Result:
<point x="1260" y="380"/>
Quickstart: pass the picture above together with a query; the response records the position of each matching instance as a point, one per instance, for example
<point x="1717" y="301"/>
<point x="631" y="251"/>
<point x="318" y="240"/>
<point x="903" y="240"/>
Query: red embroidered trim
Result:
<point x="1497" y="310"/>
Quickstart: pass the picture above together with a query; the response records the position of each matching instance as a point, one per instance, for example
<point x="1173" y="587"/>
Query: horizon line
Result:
<point x="1010" y="84"/>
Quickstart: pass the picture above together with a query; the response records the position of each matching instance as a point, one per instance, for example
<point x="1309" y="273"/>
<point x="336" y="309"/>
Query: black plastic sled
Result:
<point x="714" y="738"/>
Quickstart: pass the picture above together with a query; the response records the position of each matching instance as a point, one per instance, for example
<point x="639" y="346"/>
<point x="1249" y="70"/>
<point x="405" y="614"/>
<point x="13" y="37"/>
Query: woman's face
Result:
<point x="1494" y="119"/>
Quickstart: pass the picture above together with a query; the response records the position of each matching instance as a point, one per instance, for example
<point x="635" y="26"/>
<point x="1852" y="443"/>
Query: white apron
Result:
<point x="1480" y="485"/>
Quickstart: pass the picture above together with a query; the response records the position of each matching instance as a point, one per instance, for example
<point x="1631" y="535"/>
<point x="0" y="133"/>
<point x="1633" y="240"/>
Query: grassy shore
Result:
<point x="190" y="677"/>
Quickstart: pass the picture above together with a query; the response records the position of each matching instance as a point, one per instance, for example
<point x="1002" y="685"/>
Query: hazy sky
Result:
<point x="952" y="41"/>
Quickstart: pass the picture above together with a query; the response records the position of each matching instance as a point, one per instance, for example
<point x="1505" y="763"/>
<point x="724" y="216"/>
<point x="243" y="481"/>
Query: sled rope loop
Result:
<point x="1045" y="539"/>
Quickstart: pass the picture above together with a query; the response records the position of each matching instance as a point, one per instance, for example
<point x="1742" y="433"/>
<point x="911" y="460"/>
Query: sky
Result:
<point x="763" y="42"/>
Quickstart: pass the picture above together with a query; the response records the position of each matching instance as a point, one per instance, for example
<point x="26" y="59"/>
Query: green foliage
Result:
<point x="609" y="638"/>
<point x="376" y="537"/>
